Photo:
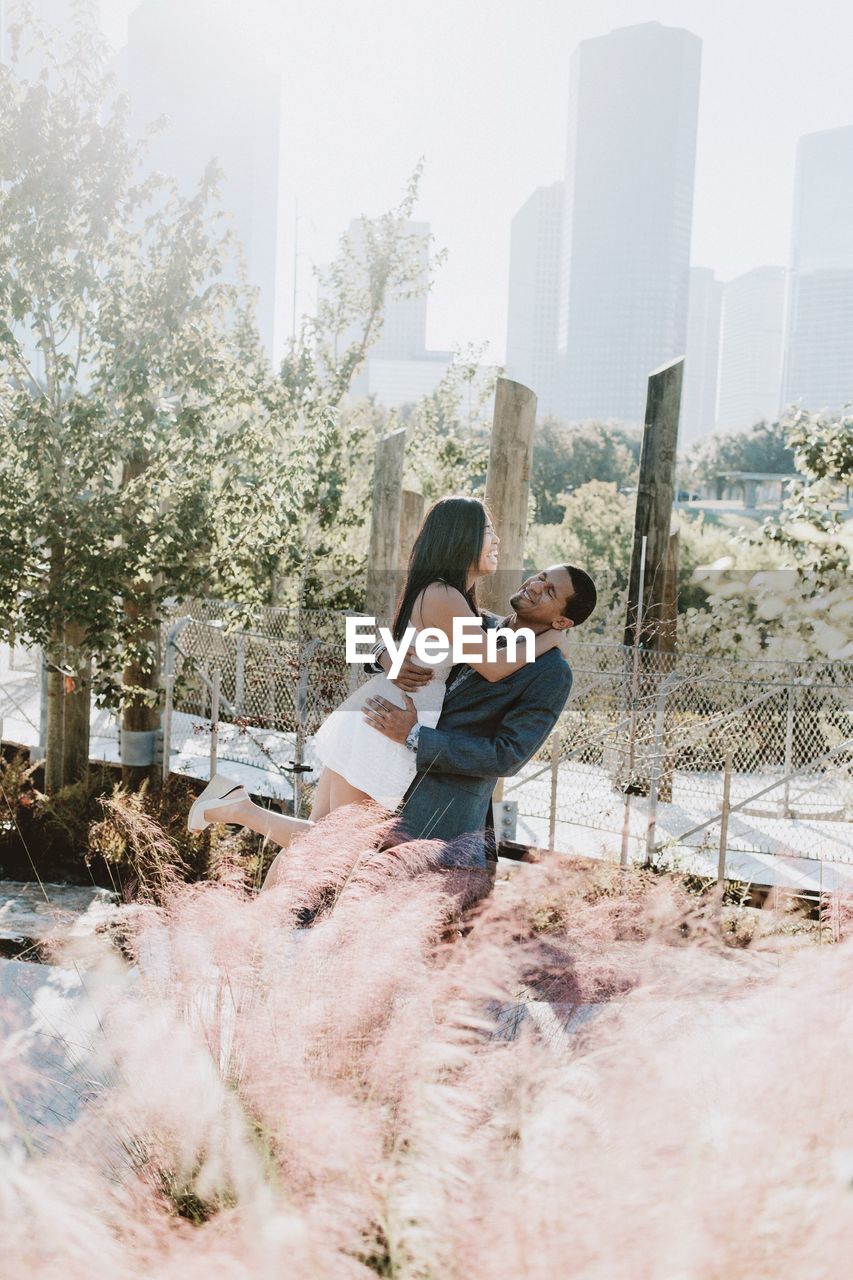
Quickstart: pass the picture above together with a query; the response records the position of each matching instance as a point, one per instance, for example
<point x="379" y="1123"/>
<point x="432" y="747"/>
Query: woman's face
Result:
<point x="488" y="561"/>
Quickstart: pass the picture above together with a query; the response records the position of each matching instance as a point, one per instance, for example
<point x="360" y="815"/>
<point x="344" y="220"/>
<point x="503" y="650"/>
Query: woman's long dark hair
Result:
<point x="449" y="542"/>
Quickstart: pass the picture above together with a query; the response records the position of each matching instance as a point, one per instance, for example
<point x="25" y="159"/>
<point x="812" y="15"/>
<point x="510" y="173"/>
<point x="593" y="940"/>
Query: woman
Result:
<point x="455" y="548"/>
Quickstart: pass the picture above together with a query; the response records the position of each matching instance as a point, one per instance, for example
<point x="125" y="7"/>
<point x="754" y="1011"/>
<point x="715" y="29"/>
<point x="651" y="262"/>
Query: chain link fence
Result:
<point x="647" y="739"/>
<point x="646" y="747"/>
<point x="277" y="684"/>
<point x="645" y="735"/>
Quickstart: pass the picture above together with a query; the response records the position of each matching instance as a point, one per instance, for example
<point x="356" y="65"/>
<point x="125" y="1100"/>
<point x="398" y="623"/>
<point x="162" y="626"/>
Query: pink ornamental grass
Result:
<point x="339" y="1101"/>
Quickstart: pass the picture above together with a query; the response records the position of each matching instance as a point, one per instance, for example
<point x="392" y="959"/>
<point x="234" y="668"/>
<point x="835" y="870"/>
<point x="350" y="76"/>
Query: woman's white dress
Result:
<point x="367" y="759"/>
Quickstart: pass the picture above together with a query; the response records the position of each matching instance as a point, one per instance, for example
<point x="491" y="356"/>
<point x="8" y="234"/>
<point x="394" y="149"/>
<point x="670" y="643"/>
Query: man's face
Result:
<point x="543" y="597"/>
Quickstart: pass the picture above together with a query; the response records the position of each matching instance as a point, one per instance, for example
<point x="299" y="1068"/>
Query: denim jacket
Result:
<point x="487" y="730"/>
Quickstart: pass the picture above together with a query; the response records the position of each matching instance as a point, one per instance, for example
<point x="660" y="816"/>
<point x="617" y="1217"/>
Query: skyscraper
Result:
<point x="699" y="390"/>
<point x="819" y="346"/>
<point x="633" y="106"/>
<point x="200" y="67"/>
<point x="751" y="349"/>
<point x="534" y="294"/>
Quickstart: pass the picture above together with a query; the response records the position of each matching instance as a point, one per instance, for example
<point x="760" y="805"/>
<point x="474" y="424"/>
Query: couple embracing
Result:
<point x="430" y="745"/>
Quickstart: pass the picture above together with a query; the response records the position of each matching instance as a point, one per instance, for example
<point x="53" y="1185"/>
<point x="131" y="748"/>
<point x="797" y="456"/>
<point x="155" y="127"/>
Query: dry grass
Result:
<point x="341" y="1102"/>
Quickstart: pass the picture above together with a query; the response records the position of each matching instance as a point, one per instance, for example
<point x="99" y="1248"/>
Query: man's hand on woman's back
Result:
<point x="412" y="676"/>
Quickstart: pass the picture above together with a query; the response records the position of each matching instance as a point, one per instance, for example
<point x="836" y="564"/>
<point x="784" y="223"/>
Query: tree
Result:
<point x="568" y="457"/>
<point x="315" y="563"/>
<point x="803" y="608"/>
<point x="147" y="450"/>
<point x="596" y="533"/>
<point x="447" y="432"/>
<point x="764" y="448"/>
<point x="133" y="396"/>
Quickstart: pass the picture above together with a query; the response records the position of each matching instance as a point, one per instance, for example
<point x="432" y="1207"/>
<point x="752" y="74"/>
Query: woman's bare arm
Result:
<point x="440" y="604"/>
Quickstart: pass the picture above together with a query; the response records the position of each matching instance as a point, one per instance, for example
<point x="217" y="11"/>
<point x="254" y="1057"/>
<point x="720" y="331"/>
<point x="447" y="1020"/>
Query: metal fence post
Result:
<point x="635" y="678"/>
<point x="169" y="683"/>
<point x="724" y="818"/>
<point x="657" y="764"/>
<point x="214" y="718"/>
<point x="240" y="673"/>
<point x="555" y="776"/>
<point x="170" y="655"/>
<point x="306" y="653"/>
<point x="789" y="746"/>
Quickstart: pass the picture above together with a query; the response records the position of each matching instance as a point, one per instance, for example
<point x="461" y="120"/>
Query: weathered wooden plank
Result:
<point x="508" y="487"/>
<point x="383" y="556"/>
<point x="655" y="494"/>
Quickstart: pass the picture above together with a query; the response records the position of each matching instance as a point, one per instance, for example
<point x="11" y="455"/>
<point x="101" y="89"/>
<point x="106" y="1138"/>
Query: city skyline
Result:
<point x="365" y="94"/>
<point x="255" y="206"/>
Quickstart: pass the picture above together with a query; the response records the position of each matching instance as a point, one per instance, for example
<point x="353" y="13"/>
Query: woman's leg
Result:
<point x="333" y="791"/>
<point x="342" y="792"/>
<point x="322" y="796"/>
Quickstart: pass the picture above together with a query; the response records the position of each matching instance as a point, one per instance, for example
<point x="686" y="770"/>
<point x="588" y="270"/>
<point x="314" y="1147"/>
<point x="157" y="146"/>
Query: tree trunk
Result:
<point x="141" y="713"/>
<point x="54" y="763"/>
<point x="78" y="707"/>
<point x="55" y="750"/>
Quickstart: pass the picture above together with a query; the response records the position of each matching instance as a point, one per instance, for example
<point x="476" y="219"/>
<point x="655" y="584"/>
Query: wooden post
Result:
<point x="654" y="505"/>
<point x="508" y="487"/>
<point x="382" y="563"/>
<point x="667" y="644"/>
<point x="668" y="627"/>
<point x="411" y="519"/>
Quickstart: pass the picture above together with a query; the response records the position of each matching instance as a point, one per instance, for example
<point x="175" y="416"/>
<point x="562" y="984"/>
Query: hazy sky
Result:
<point x="480" y="89"/>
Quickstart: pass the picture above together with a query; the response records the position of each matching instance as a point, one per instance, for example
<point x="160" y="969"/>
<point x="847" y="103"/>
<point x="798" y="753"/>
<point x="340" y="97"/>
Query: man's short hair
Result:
<point x="583" y="601"/>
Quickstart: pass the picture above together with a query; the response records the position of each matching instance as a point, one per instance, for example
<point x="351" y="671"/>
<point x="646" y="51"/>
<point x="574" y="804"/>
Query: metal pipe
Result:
<point x="555" y="774"/>
<point x="660" y="710"/>
<point x="169" y="682"/>
<point x="214" y="718"/>
<point x="635" y="680"/>
<point x="735" y="808"/>
<point x="789" y="750"/>
<point x="724" y="819"/>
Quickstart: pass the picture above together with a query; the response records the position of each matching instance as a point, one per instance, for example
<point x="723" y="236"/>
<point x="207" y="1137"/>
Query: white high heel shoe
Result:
<point x="218" y="794"/>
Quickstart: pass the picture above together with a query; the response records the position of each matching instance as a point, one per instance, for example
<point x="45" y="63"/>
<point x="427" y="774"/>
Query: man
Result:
<point x="487" y="730"/>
